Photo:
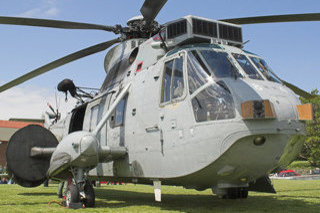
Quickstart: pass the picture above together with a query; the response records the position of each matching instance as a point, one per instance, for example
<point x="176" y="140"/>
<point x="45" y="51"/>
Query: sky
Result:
<point x="291" y="49"/>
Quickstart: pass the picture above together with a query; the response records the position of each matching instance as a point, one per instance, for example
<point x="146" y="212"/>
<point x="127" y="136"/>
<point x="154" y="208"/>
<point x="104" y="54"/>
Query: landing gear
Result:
<point x="75" y="200"/>
<point x="72" y="195"/>
<point x="231" y="193"/>
<point x="89" y="201"/>
<point x="236" y="193"/>
<point x="80" y="192"/>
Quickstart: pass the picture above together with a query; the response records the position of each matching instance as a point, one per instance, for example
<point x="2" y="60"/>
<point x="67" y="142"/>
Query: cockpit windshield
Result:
<point x="247" y="66"/>
<point x="219" y="64"/>
<point x="211" y="98"/>
<point x="265" y="69"/>
<point x="197" y="76"/>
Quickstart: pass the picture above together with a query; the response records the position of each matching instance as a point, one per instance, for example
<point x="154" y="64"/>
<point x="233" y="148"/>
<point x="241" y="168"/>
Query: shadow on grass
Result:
<point x="299" y="190"/>
<point x="37" y="194"/>
<point x="202" y="203"/>
<point x="25" y="203"/>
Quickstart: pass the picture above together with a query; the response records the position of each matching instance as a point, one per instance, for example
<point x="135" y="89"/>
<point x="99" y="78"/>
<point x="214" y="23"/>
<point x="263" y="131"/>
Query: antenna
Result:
<point x="57" y="104"/>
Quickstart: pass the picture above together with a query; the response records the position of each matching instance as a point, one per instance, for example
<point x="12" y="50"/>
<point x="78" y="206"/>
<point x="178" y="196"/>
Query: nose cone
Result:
<point x="283" y="99"/>
<point x="79" y="149"/>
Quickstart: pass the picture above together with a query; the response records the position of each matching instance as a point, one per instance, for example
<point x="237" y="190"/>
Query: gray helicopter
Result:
<point x="182" y="104"/>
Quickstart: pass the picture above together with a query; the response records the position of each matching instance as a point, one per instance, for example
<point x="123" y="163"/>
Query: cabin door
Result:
<point x="174" y="110"/>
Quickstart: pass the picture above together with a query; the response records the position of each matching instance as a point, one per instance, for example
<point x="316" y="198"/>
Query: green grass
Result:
<point x="292" y="196"/>
<point x="300" y="165"/>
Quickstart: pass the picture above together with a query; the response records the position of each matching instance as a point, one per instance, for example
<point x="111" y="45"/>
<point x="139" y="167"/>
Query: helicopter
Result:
<point x="182" y="104"/>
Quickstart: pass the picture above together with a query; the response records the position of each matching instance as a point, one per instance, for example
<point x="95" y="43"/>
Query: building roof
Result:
<point x="15" y="124"/>
<point x="8" y="128"/>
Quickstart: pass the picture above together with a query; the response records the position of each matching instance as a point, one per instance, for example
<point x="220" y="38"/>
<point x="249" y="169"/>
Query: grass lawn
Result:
<point x="292" y="196"/>
<point x="301" y="167"/>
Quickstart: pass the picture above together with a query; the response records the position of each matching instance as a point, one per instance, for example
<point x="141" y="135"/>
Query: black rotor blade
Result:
<point x="275" y="18"/>
<point x="59" y="62"/>
<point x="298" y="91"/>
<point x="151" y="8"/>
<point x="53" y="23"/>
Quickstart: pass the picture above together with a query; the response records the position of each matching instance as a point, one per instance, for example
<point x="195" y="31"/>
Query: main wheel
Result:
<point x="236" y="193"/>
<point x="72" y="195"/>
<point x="90" y="196"/>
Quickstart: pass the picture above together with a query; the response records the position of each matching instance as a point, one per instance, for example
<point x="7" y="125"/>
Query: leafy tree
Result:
<point x="311" y="150"/>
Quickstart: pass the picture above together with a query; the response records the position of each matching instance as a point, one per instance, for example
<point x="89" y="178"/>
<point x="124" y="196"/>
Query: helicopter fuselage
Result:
<point x="182" y="104"/>
<point x="198" y="138"/>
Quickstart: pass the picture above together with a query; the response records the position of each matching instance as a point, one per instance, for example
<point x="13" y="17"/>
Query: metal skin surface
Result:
<point x="165" y="142"/>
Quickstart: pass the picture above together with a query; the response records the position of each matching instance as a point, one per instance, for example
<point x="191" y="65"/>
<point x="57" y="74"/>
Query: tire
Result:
<point x="236" y="193"/>
<point x="72" y="194"/>
<point x="244" y="193"/>
<point x="90" y="195"/>
<point x="232" y="193"/>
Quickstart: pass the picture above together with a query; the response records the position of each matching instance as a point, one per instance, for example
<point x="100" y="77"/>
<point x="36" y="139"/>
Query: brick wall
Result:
<point x="3" y="147"/>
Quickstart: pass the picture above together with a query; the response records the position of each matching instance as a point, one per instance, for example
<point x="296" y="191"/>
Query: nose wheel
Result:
<point x="89" y="201"/>
<point x="232" y="193"/>
<point x="237" y="193"/>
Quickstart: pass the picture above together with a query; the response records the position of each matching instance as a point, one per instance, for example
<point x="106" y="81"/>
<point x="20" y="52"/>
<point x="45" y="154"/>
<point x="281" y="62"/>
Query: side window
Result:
<point x="96" y="114"/>
<point x="117" y="118"/>
<point x="94" y="117"/>
<point x="178" y="83"/>
<point x="167" y="81"/>
<point x="265" y="69"/>
<point x="173" y="81"/>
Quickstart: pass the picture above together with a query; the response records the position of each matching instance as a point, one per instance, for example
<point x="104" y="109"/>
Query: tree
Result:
<point x="311" y="150"/>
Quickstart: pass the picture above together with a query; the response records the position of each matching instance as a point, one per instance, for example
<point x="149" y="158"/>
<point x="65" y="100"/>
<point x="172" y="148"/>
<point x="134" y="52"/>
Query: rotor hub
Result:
<point x="138" y="27"/>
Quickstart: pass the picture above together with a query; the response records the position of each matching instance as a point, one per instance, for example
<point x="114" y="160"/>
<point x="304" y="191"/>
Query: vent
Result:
<point x="230" y="33"/>
<point x="176" y="29"/>
<point x="206" y="28"/>
<point x="193" y="29"/>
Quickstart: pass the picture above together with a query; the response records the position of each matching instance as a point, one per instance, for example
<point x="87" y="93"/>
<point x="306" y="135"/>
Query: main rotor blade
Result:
<point x="53" y="23"/>
<point x="298" y="91"/>
<point x="151" y="8"/>
<point x="59" y="62"/>
<point x="275" y="18"/>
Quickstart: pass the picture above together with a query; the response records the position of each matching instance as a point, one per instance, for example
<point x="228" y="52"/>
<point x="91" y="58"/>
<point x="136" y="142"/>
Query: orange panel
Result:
<point x="305" y="112"/>
<point x="247" y="110"/>
<point x="268" y="109"/>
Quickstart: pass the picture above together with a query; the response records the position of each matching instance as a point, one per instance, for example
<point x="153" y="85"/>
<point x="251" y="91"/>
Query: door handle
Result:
<point x="154" y="128"/>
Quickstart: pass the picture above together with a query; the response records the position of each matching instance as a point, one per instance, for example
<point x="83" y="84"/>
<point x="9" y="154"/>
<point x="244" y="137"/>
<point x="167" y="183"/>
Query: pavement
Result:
<point x="301" y="177"/>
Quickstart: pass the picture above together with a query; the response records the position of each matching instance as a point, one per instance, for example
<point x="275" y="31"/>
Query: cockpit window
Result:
<point x="264" y="69"/>
<point x="247" y="66"/>
<point x="166" y="96"/>
<point x="211" y="97"/>
<point x="219" y="64"/>
<point x="197" y="76"/>
<point x="173" y="83"/>
<point x="213" y="103"/>
<point x="203" y="66"/>
<point x="178" y="83"/>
